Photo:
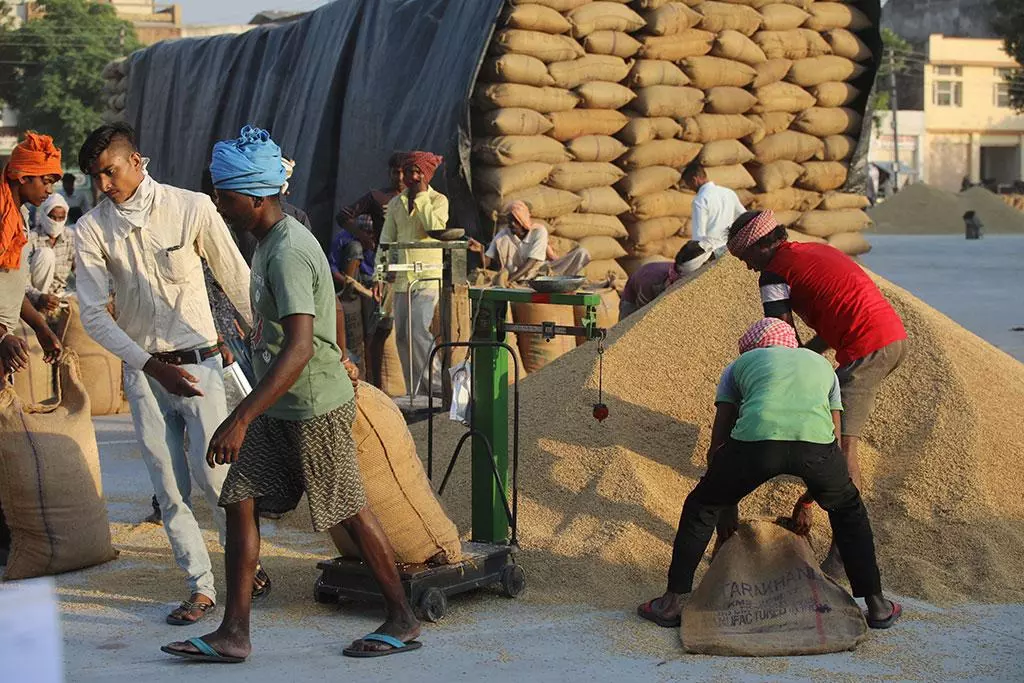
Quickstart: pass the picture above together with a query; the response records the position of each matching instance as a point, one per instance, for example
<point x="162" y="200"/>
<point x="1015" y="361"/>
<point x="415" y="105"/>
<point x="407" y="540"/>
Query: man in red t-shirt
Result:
<point x="844" y="307"/>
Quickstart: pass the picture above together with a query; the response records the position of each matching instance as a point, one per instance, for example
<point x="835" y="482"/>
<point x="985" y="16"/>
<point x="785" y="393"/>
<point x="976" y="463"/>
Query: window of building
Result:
<point x="947" y="93"/>
<point x="948" y="70"/>
<point x="1002" y="87"/>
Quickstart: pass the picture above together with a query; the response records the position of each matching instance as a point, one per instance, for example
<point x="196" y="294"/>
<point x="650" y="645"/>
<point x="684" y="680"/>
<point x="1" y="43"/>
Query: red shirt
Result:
<point x="647" y="283"/>
<point x="834" y="296"/>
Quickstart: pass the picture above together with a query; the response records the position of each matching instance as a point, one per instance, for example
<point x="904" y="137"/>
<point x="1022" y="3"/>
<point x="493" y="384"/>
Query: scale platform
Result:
<point x="426" y="586"/>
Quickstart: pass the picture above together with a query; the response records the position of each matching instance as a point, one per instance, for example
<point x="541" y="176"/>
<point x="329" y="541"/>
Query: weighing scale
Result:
<point x="488" y="558"/>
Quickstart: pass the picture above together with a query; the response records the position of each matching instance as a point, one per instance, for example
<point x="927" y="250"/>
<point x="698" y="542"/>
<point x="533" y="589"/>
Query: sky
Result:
<point x="236" y="11"/>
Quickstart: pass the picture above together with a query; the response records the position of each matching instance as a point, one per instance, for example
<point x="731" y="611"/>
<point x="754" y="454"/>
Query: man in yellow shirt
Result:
<point x="411" y="216"/>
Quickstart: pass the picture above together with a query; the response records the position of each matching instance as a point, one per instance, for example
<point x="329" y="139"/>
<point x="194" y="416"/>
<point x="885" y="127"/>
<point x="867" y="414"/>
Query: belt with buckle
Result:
<point x="190" y="357"/>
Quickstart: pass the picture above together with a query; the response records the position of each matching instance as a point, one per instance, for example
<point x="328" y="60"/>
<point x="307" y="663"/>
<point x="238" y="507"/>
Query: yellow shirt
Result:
<point x="430" y="212"/>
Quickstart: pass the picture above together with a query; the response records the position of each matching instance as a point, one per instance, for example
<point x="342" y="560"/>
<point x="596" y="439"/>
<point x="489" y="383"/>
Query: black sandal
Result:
<point x="263" y="590"/>
<point x="203" y="607"/>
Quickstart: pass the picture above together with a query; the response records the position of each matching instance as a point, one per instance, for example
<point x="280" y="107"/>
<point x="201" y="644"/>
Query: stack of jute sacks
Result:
<point x="758" y="90"/>
<point x="115" y="89"/>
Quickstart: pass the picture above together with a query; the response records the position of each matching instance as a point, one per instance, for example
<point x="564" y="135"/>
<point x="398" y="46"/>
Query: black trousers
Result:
<point x="739" y="467"/>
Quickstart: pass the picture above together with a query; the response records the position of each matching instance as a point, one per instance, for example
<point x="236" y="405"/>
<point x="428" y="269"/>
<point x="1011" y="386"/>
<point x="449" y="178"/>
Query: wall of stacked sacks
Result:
<point x="115" y="89"/>
<point x="587" y="110"/>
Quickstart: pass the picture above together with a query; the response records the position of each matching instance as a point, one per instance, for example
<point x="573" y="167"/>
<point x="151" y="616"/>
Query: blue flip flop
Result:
<point x="396" y="646"/>
<point x="205" y="654"/>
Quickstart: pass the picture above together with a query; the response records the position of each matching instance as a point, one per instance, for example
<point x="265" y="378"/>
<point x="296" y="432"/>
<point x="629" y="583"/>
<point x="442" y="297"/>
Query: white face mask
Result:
<point x="51" y="227"/>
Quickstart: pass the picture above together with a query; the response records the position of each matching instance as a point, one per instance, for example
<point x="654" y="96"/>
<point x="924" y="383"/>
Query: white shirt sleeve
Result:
<point x="535" y="246"/>
<point x="699" y="220"/>
<point x="214" y="243"/>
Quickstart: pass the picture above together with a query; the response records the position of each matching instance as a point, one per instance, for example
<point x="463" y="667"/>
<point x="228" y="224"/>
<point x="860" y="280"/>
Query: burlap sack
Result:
<point x="603" y="16"/>
<point x="708" y="72"/>
<point x="101" y="372"/>
<point x="649" y="180"/>
<point x="536" y="352"/>
<point x="735" y="46"/>
<point x="727" y="99"/>
<point x="579" y="175"/>
<point x="516" y="95"/>
<point x="721" y="16"/>
<point x="602" y="200"/>
<point x="828" y="223"/>
<point x="786" y="199"/>
<point x="654" y="230"/>
<point x="850" y="243"/>
<point x="764" y="595"/>
<point x="392" y="379"/>
<point x="603" y="95"/>
<point x="777" y="175"/>
<point x="665" y="203"/>
<point x="544" y="202"/>
<point x="608" y="273"/>
<point x="34" y="384"/>
<point x="789" y="145"/>
<point x="561" y="245"/>
<point x="772" y="71"/>
<point x="516" y="121"/>
<point x="689" y="43"/>
<point x="602" y="247"/>
<point x="822" y="176"/>
<point x="640" y="130"/>
<point x="833" y="201"/>
<point x="798" y="43"/>
<point x="824" y="121"/>
<point x="782" y="96"/>
<point x="834" y="94"/>
<point x="767" y="124"/>
<point x="673" y="101"/>
<point x="397" y="489"/>
<point x="725" y="153"/>
<point x="846" y="44"/>
<point x="710" y="127"/>
<point x="818" y="70"/>
<point x="672" y="245"/>
<point x="504" y="180"/>
<point x="676" y="153"/>
<point x="734" y="177"/>
<point x="631" y="264"/>
<point x="611" y="43"/>
<point x="652" y="4"/>
<point x="534" y="17"/>
<point x="648" y="72"/>
<point x="795" y="235"/>
<point x="607" y="312"/>
<point x="782" y="17"/>
<point x="559" y="5"/>
<point x="50" y="484"/>
<point x="588" y="68"/>
<point x="513" y="68"/>
<point x="576" y="226"/>
<point x="568" y="125"/>
<point x="595" y="148"/>
<point x="509" y="150"/>
<point x="838" y="148"/>
<point x="670" y="19"/>
<point x="826" y="16"/>
<point x="544" y="46"/>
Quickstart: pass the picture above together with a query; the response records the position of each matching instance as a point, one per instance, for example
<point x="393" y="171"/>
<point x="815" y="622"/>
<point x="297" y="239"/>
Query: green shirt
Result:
<point x="290" y="276"/>
<point x="783" y="395"/>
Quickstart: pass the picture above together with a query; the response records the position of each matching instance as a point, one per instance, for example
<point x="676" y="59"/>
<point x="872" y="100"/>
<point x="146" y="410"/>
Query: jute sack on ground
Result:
<point x="834" y="94"/>
<point x="568" y="125"/>
<point x="797" y="43"/>
<point x="689" y="43"/>
<point x="676" y="153"/>
<point x="665" y="203"/>
<point x="576" y="226"/>
<point x="654" y="230"/>
<point x="509" y="150"/>
<point x="824" y="121"/>
<point x="536" y="352"/>
<point x="34" y="384"/>
<point x="648" y="180"/>
<point x="534" y="17"/>
<point x="603" y="16"/>
<point x="606" y="272"/>
<point x="602" y="247"/>
<point x="795" y="235"/>
<point x="516" y="69"/>
<point x="782" y="17"/>
<point x="607" y="312"/>
<point x="611" y="43"/>
<point x="543" y="46"/>
<point x="708" y="72"/>
<point x="847" y="44"/>
<point x="648" y="72"/>
<point x="843" y="200"/>
<point x="728" y="100"/>
<point x="817" y="70"/>
<point x="392" y="379"/>
<point x="670" y="19"/>
<point x="603" y="95"/>
<point x="101" y="372"/>
<point x="50" y="484"/>
<point x="397" y="489"/>
<point x="784" y="97"/>
<point x="503" y="180"/>
<point x="507" y="95"/>
<point x="576" y="72"/>
<point x="826" y="16"/>
<point x="669" y="100"/>
<point x="735" y="46"/>
<point x="640" y="130"/>
<point x="767" y="124"/>
<point x="764" y="595"/>
<point x="850" y="243"/>
<point x="734" y="177"/>
<point x="838" y="148"/>
<point x="544" y="202"/>
<point x="828" y="223"/>
<point x="514" y="121"/>
<point x="580" y="175"/>
<point x="777" y="175"/>
<point x="725" y="153"/>
<point x="602" y="200"/>
<point x="772" y="71"/>
<point x="789" y="145"/>
<point x="822" y="176"/>
<point x="711" y="127"/>
<point x="595" y="148"/>
<point x="720" y="16"/>
<point x="786" y="199"/>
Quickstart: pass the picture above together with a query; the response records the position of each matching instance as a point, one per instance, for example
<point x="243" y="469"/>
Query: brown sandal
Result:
<point x="188" y="607"/>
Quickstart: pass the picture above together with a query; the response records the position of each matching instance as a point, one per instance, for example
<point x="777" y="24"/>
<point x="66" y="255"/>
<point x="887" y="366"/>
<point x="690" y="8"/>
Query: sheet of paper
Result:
<point x="30" y="639"/>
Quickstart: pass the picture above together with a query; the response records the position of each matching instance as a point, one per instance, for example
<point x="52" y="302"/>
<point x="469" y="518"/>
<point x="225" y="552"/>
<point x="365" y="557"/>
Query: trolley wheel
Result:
<point x="513" y="581"/>
<point x="433" y="605"/>
<point x="320" y="595"/>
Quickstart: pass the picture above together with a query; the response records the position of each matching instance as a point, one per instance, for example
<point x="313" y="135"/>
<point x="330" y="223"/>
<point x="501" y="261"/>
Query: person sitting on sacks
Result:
<point x="521" y="249"/>
<point x="714" y="209"/>
<point x="28" y="178"/>
<point x="847" y="312"/>
<point x="293" y="434"/>
<point x="777" y="412"/>
<point x="649" y="281"/>
<point x="51" y="258"/>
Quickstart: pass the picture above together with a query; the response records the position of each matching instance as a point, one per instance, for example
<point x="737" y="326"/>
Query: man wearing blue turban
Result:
<point x="293" y="434"/>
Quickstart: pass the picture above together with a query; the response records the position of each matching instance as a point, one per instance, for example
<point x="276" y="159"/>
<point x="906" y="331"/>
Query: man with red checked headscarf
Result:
<point x="28" y="178"/>
<point x="777" y="412"/>
<point x="411" y="216"/>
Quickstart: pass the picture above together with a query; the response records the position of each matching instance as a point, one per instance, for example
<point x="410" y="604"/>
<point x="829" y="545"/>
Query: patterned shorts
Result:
<point x="282" y="459"/>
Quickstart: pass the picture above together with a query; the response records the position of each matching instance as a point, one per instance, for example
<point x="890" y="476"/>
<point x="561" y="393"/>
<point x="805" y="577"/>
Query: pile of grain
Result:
<point x="115" y="89"/>
<point x="600" y="502"/>
<point x="995" y="214"/>
<point x="922" y="209"/>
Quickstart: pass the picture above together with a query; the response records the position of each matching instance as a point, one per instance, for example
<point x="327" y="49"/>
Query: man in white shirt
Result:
<point x="714" y="209"/>
<point x="148" y="241"/>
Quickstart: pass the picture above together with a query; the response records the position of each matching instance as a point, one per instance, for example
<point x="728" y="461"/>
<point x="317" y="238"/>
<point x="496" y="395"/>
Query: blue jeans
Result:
<point x="175" y="461"/>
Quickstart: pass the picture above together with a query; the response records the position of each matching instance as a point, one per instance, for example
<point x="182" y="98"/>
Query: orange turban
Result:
<point x="35" y="156"/>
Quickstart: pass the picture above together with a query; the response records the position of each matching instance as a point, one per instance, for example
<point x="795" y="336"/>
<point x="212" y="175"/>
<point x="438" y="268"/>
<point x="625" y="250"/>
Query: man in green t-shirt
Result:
<point x="777" y="412"/>
<point x="293" y="434"/>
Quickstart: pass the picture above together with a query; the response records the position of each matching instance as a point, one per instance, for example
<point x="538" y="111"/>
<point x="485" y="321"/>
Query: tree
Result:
<point x="1009" y="23"/>
<point x="902" y="54"/>
<point x="51" y="67"/>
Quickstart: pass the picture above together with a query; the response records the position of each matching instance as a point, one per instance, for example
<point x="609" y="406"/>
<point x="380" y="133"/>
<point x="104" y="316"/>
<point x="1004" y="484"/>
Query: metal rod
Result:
<point x="894" y="108"/>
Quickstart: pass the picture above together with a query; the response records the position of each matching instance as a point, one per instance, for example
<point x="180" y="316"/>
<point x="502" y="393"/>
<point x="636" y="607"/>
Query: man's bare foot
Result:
<point x="665" y="611"/>
<point x="226" y="644"/>
<point x="190" y="611"/>
<point x="404" y="627"/>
